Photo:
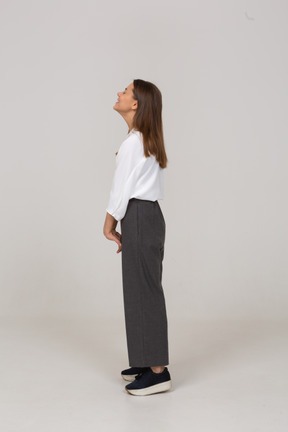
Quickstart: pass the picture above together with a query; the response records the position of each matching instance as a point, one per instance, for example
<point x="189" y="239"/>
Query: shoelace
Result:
<point x="139" y="375"/>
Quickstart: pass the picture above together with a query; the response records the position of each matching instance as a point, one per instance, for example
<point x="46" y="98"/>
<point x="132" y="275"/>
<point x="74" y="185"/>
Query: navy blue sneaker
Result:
<point x="131" y="373"/>
<point x="149" y="382"/>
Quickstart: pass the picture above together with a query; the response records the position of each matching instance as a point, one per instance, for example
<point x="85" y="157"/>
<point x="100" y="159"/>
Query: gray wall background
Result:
<point x="222" y="69"/>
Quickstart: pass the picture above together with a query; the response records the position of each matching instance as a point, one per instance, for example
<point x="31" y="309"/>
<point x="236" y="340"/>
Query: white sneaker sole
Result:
<point x="157" y="388"/>
<point x="129" y="377"/>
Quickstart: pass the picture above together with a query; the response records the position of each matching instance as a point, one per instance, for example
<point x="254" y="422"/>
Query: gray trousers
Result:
<point x="143" y="237"/>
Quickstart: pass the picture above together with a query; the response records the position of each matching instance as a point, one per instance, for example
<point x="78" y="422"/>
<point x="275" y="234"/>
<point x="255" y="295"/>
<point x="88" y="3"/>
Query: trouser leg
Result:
<point x="143" y="237"/>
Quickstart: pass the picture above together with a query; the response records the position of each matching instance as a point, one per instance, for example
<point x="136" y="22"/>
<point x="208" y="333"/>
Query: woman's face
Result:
<point x="125" y="102"/>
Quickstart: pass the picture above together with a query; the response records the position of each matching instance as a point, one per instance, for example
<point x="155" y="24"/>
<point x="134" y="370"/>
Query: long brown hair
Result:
<point x="148" y="119"/>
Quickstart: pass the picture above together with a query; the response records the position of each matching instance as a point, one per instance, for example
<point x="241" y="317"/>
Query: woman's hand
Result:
<point x="110" y="232"/>
<point x="117" y="237"/>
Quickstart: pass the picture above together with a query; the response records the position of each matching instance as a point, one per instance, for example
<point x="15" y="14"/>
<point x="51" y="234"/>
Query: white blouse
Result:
<point x="135" y="176"/>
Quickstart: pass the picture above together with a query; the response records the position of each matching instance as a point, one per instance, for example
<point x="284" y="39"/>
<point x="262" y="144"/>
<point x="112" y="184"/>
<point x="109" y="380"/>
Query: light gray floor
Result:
<point x="64" y="375"/>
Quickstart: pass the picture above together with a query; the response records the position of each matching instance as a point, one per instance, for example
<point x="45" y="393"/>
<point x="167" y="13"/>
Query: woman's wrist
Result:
<point x="110" y="224"/>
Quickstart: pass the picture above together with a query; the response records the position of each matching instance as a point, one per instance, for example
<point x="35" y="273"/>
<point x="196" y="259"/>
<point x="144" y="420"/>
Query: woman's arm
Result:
<point x="128" y="163"/>
<point x="109" y="231"/>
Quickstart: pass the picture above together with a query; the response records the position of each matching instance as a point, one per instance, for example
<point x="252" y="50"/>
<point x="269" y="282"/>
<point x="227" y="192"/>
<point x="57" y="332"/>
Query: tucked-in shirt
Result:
<point x="135" y="176"/>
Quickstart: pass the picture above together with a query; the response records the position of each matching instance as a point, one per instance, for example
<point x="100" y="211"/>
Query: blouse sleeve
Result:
<point x="128" y="162"/>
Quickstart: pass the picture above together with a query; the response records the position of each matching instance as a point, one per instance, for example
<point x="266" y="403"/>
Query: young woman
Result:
<point x="136" y="187"/>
